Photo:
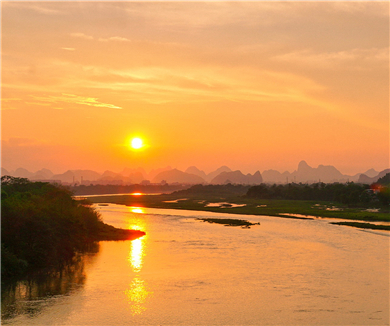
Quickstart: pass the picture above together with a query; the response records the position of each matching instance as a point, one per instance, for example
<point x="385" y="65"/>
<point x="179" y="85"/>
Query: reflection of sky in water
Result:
<point x="137" y="293"/>
<point x="186" y="272"/>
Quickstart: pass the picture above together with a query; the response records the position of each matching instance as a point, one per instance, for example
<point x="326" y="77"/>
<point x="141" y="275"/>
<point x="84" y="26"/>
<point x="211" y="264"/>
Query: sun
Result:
<point x="136" y="143"/>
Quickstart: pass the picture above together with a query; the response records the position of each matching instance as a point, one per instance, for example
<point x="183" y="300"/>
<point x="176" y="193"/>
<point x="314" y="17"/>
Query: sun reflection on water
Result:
<point x="138" y="293"/>
<point x="138" y="210"/>
<point x="137" y="296"/>
<point x="136" y="254"/>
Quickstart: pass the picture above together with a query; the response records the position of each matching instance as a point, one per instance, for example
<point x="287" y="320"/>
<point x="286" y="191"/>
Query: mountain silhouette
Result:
<point x="176" y="175"/>
<point x="237" y="177"/>
<point x="127" y="172"/>
<point x="307" y="174"/>
<point x="22" y="173"/>
<point x="366" y="179"/>
<point x="154" y="172"/>
<point x="196" y="171"/>
<point x="213" y="174"/>
<point x="4" y="172"/>
<point x="43" y="174"/>
<point x="371" y="173"/>
<point x="304" y="174"/>
<point x="76" y="176"/>
<point x="273" y="176"/>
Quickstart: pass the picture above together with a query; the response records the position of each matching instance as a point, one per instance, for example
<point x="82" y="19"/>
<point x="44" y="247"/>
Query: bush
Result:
<point x="42" y="225"/>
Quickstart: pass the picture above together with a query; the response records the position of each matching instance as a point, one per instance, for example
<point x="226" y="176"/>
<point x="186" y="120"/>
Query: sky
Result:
<point x="251" y="85"/>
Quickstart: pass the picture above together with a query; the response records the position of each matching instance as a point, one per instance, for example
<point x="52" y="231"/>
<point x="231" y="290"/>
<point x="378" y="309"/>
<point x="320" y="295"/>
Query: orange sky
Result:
<point x="250" y="85"/>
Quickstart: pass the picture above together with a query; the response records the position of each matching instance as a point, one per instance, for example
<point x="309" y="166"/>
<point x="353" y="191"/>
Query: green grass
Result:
<point x="270" y="207"/>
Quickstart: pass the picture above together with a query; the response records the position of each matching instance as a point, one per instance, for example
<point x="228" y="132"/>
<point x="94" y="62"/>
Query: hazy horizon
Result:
<point x="148" y="171"/>
<point x="250" y="85"/>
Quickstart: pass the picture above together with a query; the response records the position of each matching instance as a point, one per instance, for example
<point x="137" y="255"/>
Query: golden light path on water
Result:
<point x="186" y="272"/>
<point x="137" y="293"/>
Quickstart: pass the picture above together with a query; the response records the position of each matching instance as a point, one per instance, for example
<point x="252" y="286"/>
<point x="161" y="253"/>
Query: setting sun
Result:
<point x="136" y="143"/>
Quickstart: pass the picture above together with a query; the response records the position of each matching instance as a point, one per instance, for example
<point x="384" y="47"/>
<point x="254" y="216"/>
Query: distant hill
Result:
<point x="176" y="175"/>
<point x="213" y="174"/>
<point x="154" y="172"/>
<point x="307" y="174"/>
<point x="127" y="172"/>
<point x="77" y="175"/>
<point x="196" y="171"/>
<point x="365" y="179"/>
<point x="322" y="173"/>
<point x="22" y="173"/>
<point x="192" y="175"/>
<point x="237" y="177"/>
<point x="42" y="174"/>
<point x="4" y="172"/>
<point x="371" y="173"/>
<point x="273" y="176"/>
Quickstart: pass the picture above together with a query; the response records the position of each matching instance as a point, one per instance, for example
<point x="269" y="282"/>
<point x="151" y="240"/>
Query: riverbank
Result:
<point x="43" y="227"/>
<point x="300" y="209"/>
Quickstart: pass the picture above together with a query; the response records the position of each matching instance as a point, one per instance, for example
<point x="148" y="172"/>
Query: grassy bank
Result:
<point x="279" y="208"/>
<point x="43" y="227"/>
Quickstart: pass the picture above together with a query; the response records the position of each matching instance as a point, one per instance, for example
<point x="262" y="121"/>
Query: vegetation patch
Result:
<point x="43" y="227"/>
<point x="364" y="225"/>
<point x="229" y="222"/>
<point x="108" y="232"/>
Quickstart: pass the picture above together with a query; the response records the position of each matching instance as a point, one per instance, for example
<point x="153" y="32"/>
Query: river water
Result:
<point x="189" y="272"/>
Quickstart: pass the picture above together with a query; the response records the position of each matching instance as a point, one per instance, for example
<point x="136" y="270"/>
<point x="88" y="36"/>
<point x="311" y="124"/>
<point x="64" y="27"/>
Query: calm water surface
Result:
<point x="186" y="272"/>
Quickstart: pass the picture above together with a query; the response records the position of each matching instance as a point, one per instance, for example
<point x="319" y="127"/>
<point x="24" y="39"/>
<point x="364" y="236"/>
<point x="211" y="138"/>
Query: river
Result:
<point x="186" y="272"/>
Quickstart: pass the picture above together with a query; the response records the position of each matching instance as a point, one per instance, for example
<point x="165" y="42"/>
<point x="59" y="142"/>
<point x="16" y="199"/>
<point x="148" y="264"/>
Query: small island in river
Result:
<point x="229" y="222"/>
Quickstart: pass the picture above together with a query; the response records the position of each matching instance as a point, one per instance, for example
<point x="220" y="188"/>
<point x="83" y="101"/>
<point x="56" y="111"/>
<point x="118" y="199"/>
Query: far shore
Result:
<point x="294" y="209"/>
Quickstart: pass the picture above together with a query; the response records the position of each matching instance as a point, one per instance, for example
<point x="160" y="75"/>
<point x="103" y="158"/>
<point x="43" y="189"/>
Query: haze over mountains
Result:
<point x="192" y="175"/>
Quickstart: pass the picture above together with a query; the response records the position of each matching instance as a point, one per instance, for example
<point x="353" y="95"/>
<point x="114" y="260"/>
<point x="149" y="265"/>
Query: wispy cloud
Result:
<point x="114" y="38"/>
<point x="68" y="49"/>
<point x="6" y="103"/>
<point x="355" y="58"/>
<point x="18" y="142"/>
<point x="46" y="9"/>
<point x="75" y="99"/>
<point x="82" y="35"/>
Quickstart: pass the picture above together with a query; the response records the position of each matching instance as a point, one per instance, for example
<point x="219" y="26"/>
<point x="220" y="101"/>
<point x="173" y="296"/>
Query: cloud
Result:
<point x="7" y="102"/>
<point x="46" y="9"/>
<point x="74" y="99"/>
<point x="19" y="142"/>
<point x="82" y="35"/>
<point x="114" y="38"/>
<point x="355" y="58"/>
<point x="68" y="49"/>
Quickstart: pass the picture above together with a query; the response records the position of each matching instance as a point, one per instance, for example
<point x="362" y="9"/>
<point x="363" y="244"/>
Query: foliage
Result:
<point x="345" y="193"/>
<point x="214" y="190"/>
<point x="385" y="180"/>
<point x="229" y="222"/>
<point x="364" y="225"/>
<point x="42" y="226"/>
<point x="382" y="189"/>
